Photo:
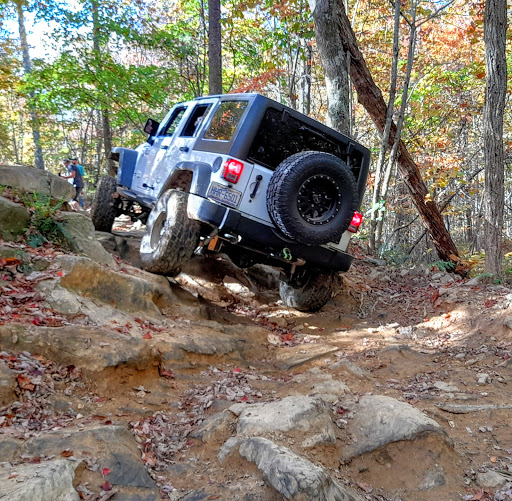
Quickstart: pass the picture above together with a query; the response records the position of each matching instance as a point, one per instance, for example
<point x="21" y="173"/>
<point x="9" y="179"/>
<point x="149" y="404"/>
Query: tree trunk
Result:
<point x="384" y="145"/>
<point x="214" y="48"/>
<point x="306" y="81"/>
<point x="400" y="121"/>
<point x="370" y="96"/>
<point x="495" y="31"/>
<point x="334" y="61"/>
<point x="107" y="131"/>
<point x="27" y="67"/>
<point x="97" y="169"/>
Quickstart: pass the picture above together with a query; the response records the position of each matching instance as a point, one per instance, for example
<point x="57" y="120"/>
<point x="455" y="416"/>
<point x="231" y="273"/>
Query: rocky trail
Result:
<point x="119" y="384"/>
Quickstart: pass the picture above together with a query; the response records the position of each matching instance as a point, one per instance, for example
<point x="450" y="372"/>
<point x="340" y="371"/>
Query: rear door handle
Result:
<point x="184" y="148"/>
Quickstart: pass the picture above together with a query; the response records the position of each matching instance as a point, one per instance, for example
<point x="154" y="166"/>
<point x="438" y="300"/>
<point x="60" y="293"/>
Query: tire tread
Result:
<point x="103" y="209"/>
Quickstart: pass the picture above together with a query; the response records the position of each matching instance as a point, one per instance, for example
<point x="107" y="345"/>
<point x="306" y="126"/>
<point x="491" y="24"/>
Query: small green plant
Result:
<point x="43" y="227"/>
<point x="444" y="265"/>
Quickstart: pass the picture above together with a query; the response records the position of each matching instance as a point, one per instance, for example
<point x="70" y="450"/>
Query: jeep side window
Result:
<point x="225" y="121"/>
<point x="173" y="122"/>
<point x="195" y="120"/>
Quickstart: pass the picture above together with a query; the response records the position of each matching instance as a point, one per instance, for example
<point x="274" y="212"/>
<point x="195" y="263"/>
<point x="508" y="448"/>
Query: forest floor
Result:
<point x="425" y="337"/>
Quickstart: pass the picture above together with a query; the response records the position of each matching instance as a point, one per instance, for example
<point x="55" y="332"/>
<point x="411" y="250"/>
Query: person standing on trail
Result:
<point x="74" y="161"/>
<point x="78" y="181"/>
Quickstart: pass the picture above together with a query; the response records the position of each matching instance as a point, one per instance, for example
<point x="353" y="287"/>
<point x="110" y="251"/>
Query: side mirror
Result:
<point x="151" y="127"/>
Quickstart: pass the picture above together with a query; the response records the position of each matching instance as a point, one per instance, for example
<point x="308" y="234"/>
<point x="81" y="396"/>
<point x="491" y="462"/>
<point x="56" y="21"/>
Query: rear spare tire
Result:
<point x="104" y="206"/>
<point x="312" y="197"/>
<point x="309" y="292"/>
<point x="171" y="237"/>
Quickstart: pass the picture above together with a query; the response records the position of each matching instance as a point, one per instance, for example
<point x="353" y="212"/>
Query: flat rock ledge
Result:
<point x="292" y="476"/>
<point x="379" y="420"/>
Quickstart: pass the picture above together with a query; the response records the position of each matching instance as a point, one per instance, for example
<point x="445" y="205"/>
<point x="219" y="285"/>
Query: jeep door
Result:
<point x="181" y="145"/>
<point x="146" y="172"/>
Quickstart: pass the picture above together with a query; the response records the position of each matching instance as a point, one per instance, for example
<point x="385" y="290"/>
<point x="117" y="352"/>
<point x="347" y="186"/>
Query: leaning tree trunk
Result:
<point x="214" y="48"/>
<point x="370" y="96"/>
<point x="27" y="67"/>
<point x="334" y="61"/>
<point x="495" y="31"/>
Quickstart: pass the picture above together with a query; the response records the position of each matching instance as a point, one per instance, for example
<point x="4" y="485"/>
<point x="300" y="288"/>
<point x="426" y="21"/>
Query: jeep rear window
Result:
<point x="225" y="121"/>
<point x="280" y="135"/>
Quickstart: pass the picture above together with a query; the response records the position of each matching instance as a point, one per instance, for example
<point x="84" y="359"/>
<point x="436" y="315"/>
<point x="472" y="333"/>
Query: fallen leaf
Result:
<point x="147" y="336"/>
<point x="105" y="471"/>
<point x="106" y="486"/>
<point x="25" y="383"/>
<point x="167" y="373"/>
<point x="365" y="487"/>
<point x="67" y="453"/>
<point x="493" y="459"/>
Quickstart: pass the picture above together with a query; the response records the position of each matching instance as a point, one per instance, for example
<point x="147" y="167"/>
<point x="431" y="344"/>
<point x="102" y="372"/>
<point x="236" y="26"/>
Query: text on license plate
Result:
<point x="224" y="195"/>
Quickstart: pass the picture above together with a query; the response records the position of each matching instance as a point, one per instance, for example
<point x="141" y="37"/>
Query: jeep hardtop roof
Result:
<point x="270" y="131"/>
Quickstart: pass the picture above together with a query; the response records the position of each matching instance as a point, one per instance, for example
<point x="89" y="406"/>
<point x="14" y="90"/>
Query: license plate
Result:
<point x="224" y="195"/>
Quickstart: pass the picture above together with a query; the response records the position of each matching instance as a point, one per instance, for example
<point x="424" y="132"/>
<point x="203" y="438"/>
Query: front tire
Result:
<point x="104" y="207"/>
<point x="309" y="292"/>
<point x="171" y="237"/>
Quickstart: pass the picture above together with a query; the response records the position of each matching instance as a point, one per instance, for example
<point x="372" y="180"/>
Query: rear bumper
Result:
<point x="262" y="238"/>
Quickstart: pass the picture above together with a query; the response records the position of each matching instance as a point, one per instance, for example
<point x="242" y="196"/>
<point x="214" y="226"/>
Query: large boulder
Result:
<point x="293" y="476"/>
<point x="308" y="416"/>
<point x="98" y="447"/>
<point x="14" y="219"/>
<point x="114" y="446"/>
<point x="36" y="181"/>
<point x="78" y="231"/>
<point x="47" y="481"/>
<point x="380" y="420"/>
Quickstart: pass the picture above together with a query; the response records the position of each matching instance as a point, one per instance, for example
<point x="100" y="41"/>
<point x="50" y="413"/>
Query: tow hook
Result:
<point x="299" y="262"/>
<point x="205" y="241"/>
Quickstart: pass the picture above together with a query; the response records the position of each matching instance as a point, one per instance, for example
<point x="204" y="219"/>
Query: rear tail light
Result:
<point x="357" y="219"/>
<point x="232" y="170"/>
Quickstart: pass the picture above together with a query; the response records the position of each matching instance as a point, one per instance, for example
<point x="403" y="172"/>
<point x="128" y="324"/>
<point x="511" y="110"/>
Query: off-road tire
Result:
<point x="171" y="237"/>
<point x="311" y="293"/>
<point x="103" y="209"/>
<point x="308" y="180"/>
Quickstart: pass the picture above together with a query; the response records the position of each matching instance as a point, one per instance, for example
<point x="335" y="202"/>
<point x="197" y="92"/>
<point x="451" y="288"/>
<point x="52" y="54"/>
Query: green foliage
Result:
<point x="395" y="256"/>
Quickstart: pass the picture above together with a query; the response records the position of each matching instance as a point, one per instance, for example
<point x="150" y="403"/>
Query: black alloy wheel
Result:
<point x="319" y="199"/>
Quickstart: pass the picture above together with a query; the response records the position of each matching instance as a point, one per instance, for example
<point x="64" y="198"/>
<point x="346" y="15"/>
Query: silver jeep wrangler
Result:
<point x="250" y="176"/>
